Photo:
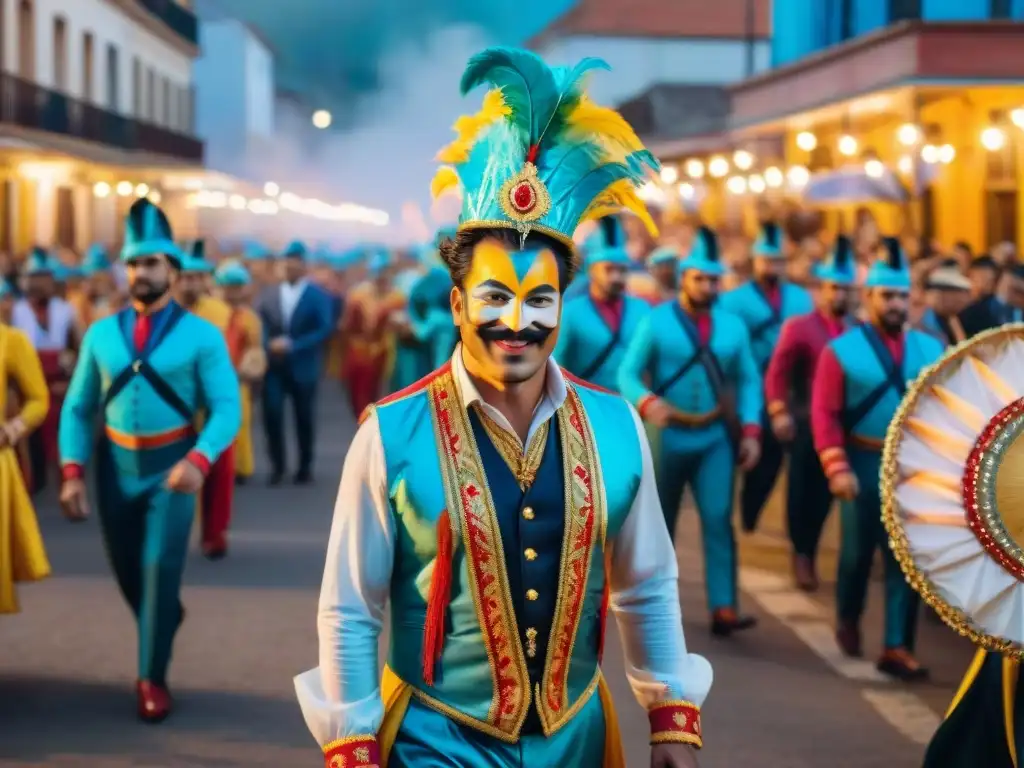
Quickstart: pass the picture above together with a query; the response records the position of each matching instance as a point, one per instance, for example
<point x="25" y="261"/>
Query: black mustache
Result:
<point x="497" y="331"/>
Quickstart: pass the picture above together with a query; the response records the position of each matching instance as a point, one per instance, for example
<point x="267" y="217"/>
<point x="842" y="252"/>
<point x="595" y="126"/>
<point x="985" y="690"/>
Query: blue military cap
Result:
<point x="296" y="250"/>
<point x="839" y="267"/>
<point x="891" y="271"/>
<point x="231" y="273"/>
<point x="704" y="255"/>
<point x="96" y="260"/>
<point x="769" y="242"/>
<point x="148" y="233"/>
<point x="195" y="258"/>
<point x="665" y="254"/>
<point x="256" y="252"/>
<point x="607" y="243"/>
<point x="39" y="262"/>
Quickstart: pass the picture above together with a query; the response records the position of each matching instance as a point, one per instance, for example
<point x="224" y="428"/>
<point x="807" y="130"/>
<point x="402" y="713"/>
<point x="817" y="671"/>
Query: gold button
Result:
<point x="531" y="554"/>
<point x="528" y="513"/>
<point x="531" y="594"/>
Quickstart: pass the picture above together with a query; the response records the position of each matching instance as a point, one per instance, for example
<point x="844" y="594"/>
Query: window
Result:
<point x="113" y="81"/>
<point x="26" y="40"/>
<point x="150" y="96"/>
<point x="136" y="87"/>
<point x="902" y="10"/>
<point x="87" y="55"/>
<point x="60" y="54"/>
<point x="1001" y="9"/>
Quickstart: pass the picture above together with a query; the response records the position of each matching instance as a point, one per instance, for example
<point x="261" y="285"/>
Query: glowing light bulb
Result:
<point x="155" y="197"/>
<point x="737" y="185"/>
<point x="756" y="184"/>
<point x="798" y="176"/>
<point x="993" y="139"/>
<point x="669" y="174"/>
<point x="848" y="146"/>
<point x="1017" y="117"/>
<point x="908" y="134"/>
<point x="141" y="190"/>
<point x="322" y="119"/>
<point x="695" y="169"/>
<point x="101" y="189"/>
<point x="806" y="141"/>
<point x="743" y="160"/>
<point x="237" y="202"/>
<point x="773" y="177"/>
<point x="718" y="167"/>
<point x="905" y="164"/>
<point x="270" y="189"/>
<point x="124" y="188"/>
<point x="686" y="191"/>
<point x="947" y="154"/>
<point x="874" y="169"/>
<point x="930" y="153"/>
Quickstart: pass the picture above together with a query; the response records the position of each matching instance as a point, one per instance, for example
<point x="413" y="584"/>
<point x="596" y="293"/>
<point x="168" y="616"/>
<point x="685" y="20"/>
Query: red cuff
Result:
<point x="676" y="722"/>
<point x="201" y="462"/>
<point x="752" y="430"/>
<point x="775" y="407"/>
<point x="352" y="752"/>
<point x="72" y="471"/>
<point x="644" y="404"/>
<point x="834" y="461"/>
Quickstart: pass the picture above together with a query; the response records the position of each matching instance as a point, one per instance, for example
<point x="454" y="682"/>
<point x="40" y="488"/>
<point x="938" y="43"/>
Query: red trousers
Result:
<point x="57" y="384"/>
<point x="218" y="498"/>
<point x="365" y="378"/>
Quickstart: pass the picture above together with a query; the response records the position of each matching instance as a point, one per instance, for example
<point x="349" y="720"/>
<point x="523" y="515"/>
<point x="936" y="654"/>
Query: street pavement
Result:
<point x="781" y="699"/>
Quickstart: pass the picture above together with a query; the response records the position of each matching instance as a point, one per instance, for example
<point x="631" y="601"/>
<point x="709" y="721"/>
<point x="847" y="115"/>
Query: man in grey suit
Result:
<point x="297" y="320"/>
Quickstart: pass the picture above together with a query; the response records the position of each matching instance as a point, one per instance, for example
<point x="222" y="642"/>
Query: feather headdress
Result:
<point x="839" y="267"/>
<point x="540" y="155"/>
<point x="891" y="270"/>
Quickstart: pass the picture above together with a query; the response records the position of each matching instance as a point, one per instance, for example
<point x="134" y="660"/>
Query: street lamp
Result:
<point x="322" y="119"/>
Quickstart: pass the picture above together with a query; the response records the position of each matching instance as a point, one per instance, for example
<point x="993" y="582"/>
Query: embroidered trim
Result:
<point x="585" y="526"/>
<point x="675" y="722"/>
<point x="468" y="497"/>
<point x="352" y="752"/>
<point x="523" y="464"/>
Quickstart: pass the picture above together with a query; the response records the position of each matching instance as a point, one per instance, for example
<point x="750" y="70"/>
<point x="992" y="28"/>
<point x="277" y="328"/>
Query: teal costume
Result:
<point x="430" y="313"/>
<point x="764" y="320"/>
<point x="147" y="399"/>
<point x="668" y="359"/>
<point x="873" y="386"/>
<point x="96" y="260"/>
<point x="588" y="346"/>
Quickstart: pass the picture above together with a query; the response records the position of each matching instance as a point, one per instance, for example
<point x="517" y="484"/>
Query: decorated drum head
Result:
<point x="953" y="488"/>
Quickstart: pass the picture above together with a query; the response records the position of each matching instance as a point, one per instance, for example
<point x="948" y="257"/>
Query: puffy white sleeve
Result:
<point x="667" y="680"/>
<point x="341" y="698"/>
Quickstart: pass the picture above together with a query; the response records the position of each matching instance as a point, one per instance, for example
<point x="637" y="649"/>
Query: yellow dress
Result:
<point x="22" y="554"/>
<point x="245" y="333"/>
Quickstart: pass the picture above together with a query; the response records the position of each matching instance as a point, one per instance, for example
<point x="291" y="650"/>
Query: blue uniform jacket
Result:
<point x="191" y="357"/>
<point x="763" y="324"/>
<point x="662" y="346"/>
<point x="310" y="326"/>
<point x="584" y="336"/>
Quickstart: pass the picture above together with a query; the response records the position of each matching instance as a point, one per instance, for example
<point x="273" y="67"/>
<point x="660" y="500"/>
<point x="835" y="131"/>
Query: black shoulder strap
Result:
<point x="774" y="318"/>
<point x="885" y="359"/>
<point x="606" y="352"/>
<point x="702" y="354"/>
<point x="851" y="417"/>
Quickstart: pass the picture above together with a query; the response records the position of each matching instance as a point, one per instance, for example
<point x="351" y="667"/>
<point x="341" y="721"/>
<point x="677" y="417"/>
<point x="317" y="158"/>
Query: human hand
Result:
<point x="844" y="485"/>
<point x="280" y="345"/>
<point x="749" y="453"/>
<point x="658" y="412"/>
<point x="784" y="427"/>
<point x="673" y="756"/>
<point x="74" y="501"/>
<point x="185" y="477"/>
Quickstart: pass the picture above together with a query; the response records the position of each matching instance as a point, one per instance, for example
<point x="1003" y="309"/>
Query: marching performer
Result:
<point x="192" y="291"/>
<point x="788" y="393"/>
<point x="678" y="369"/>
<point x="501" y="603"/>
<point x="23" y="557"/>
<point x="366" y="334"/>
<point x="245" y="343"/>
<point x="763" y="304"/>
<point x="662" y="264"/>
<point x="950" y="479"/>
<point x="145" y="371"/>
<point x="49" y="323"/>
<point x="98" y="295"/>
<point x="430" y="313"/>
<point x="859" y="381"/>
<point x="597" y="327"/>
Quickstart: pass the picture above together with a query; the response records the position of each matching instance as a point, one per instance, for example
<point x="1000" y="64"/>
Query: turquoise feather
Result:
<point x="527" y="83"/>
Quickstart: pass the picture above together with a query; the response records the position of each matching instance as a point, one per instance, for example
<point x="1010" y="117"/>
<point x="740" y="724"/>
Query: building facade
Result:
<point x="96" y="108"/>
<point x="652" y="42"/>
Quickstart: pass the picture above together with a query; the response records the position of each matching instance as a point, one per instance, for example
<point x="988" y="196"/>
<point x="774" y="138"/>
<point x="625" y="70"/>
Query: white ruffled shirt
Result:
<point x="342" y="696"/>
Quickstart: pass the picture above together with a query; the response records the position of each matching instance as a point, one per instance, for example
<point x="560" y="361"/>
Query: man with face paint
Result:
<point x="596" y="328"/>
<point x="192" y="291"/>
<point x="788" y="393"/>
<point x="49" y="323"/>
<point x="146" y="371"/>
<point x="763" y="304"/>
<point x="859" y="381"/>
<point x="501" y="505"/>
<point x="680" y="364"/>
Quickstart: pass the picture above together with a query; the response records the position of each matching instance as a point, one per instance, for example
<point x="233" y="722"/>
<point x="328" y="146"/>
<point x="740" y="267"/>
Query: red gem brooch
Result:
<point x="524" y="198"/>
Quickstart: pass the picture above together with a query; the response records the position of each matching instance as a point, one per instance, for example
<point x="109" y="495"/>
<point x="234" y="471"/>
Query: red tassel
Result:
<point x="531" y="153"/>
<point x="605" y="599"/>
<point x="437" y="601"/>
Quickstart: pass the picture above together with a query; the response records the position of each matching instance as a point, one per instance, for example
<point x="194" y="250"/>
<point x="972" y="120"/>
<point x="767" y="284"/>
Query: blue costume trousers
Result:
<point x="278" y="386"/>
<point x="428" y="739"/>
<point x="146" y="531"/>
<point x="862" y="534"/>
<point x="704" y="460"/>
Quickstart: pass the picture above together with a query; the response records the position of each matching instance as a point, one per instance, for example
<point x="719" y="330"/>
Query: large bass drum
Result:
<point x="953" y="488"/>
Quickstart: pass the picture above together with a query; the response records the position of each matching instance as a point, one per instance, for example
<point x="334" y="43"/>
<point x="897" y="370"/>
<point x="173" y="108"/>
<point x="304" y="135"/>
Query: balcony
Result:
<point x="27" y="105"/>
<point x="177" y="18"/>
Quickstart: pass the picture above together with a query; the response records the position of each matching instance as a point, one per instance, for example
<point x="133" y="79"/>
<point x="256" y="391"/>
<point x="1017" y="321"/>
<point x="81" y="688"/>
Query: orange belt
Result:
<point x="694" y="420"/>
<point x="866" y="443"/>
<point x="150" y="441"/>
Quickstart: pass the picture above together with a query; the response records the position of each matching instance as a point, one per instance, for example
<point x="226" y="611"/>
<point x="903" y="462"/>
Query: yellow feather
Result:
<point x="618" y="197"/>
<point x="445" y="179"/>
<point x="469" y="127"/>
<point x="603" y="123"/>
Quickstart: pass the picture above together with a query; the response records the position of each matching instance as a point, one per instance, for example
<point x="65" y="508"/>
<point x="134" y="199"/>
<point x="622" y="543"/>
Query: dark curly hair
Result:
<point x="457" y="252"/>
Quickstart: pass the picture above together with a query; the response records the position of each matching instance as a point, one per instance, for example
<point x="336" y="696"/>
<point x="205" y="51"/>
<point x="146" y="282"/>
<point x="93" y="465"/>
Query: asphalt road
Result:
<point x="67" y="661"/>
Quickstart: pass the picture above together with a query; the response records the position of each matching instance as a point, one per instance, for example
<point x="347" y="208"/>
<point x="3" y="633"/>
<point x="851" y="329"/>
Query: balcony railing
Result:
<point x="179" y="19"/>
<point x="28" y="105"/>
